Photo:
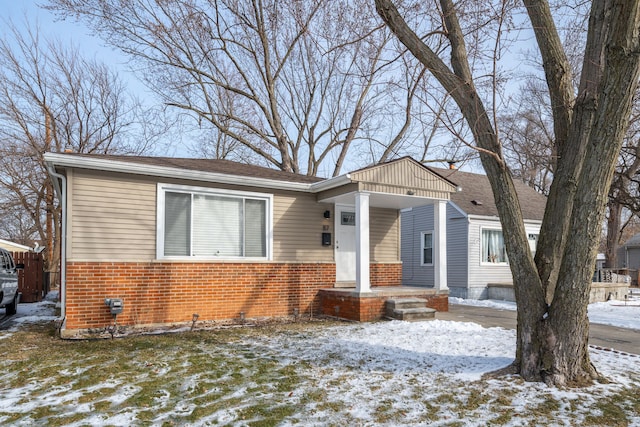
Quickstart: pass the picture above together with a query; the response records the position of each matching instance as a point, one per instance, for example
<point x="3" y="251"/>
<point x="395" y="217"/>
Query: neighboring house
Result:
<point x="172" y="238"/>
<point x="629" y="258"/>
<point x="14" y="247"/>
<point x="629" y="254"/>
<point x="476" y="255"/>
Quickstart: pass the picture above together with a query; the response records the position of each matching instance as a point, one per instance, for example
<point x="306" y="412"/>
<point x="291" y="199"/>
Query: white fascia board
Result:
<point x="495" y="217"/>
<point x="330" y="183"/>
<point x="458" y="208"/>
<point x="55" y="159"/>
<point x="17" y="245"/>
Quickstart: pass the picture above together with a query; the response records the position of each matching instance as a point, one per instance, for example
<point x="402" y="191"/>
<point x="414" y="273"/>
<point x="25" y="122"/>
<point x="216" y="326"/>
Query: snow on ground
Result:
<point x="362" y="366"/>
<point x="623" y="314"/>
<point x="36" y="312"/>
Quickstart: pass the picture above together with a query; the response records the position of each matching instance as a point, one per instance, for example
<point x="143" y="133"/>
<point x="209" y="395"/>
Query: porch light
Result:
<point x="327" y="214"/>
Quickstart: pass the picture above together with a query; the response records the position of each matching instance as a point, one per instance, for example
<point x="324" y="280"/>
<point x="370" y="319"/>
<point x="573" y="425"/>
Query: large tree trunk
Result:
<point x="552" y="295"/>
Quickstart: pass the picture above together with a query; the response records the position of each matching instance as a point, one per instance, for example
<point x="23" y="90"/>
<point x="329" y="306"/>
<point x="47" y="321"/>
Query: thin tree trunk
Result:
<point x="613" y="230"/>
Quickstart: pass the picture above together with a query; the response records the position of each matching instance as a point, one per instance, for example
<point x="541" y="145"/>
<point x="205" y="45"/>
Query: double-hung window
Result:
<point x="493" y="248"/>
<point x="427" y="248"/>
<point x="209" y="223"/>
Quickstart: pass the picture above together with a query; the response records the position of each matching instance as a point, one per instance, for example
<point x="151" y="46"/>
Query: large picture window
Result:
<point x="493" y="249"/>
<point x="198" y="222"/>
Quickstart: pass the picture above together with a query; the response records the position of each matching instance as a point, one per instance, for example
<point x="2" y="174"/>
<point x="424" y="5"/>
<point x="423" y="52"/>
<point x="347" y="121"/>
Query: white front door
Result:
<point x="345" y="249"/>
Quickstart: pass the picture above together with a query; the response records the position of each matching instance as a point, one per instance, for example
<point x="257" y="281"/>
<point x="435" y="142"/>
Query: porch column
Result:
<point x="363" y="284"/>
<point x="440" y="245"/>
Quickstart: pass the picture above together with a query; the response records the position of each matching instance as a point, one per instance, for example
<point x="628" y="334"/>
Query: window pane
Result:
<point x="533" y="243"/>
<point x="177" y="214"/>
<point x="255" y="228"/>
<point x="493" y="249"/>
<point x="427" y="252"/>
<point x="217" y="228"/>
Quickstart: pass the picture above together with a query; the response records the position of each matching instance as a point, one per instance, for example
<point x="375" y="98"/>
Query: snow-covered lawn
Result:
<point x="311" y="374"/>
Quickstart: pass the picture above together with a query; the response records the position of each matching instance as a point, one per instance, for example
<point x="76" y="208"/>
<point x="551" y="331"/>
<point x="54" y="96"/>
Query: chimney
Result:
<point x="452" y="165"/>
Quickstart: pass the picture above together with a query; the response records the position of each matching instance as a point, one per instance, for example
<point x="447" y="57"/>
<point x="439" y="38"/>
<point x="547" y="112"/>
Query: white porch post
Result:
<point x="440" y="245"/>
<point x="363" y="284"/>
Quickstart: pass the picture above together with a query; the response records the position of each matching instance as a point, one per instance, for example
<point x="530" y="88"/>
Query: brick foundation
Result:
<point x="369" y="307"/>
<point x="171" y="292"/>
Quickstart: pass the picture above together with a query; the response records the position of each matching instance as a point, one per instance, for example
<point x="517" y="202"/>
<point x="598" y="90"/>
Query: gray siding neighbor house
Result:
<point x="629" y="258"/>
<point x="474" y="244"/>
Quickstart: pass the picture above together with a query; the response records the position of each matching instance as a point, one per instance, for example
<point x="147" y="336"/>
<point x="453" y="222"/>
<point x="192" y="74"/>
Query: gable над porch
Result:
<point x="400" y="184"/>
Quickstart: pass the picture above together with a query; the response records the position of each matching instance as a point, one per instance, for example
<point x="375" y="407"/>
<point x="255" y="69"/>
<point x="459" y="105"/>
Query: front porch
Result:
<point x="350" y="304"/>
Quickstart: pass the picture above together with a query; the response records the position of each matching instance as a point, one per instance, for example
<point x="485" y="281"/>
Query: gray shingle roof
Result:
<point x="634" y="241"/>
<point x="476" y="197"/>
<point x="226" y="167"/>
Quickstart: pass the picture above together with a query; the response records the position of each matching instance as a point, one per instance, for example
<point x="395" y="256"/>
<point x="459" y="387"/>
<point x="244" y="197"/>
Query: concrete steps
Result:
<point x="409" y="309"/>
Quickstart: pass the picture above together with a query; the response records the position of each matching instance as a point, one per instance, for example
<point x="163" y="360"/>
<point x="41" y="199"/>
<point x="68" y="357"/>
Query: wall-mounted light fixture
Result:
<point x="327" y="214"/>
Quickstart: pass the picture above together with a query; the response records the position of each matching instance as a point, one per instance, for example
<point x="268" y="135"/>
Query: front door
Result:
<point x="345" y="250"/>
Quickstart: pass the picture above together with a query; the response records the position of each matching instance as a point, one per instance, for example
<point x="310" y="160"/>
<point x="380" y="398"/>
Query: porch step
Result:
<point x="409" y="309"/>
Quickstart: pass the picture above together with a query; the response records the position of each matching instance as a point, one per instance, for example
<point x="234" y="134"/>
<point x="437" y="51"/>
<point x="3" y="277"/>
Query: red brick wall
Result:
<point x="366" y="309"/>
<point x="438" y="302"/>
<point x="385" y="274"/>
<point x="171" y="292"/>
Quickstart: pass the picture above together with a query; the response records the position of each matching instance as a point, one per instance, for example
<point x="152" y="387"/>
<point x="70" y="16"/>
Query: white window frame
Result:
<point x="533" y="233"/>
<point x="422" y="234"/>
<point x="162" y="188"/>
<point x="482" y="261"/>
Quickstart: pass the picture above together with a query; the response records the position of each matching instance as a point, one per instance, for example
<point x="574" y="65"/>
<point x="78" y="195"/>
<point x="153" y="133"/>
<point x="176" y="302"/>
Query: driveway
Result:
<point x="621" y="339"/>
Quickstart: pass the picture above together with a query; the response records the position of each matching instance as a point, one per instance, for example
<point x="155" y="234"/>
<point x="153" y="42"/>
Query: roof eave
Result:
<point x="331" y="183"/>
<point x="110" y="165"/>
<point x="494" y="217"/>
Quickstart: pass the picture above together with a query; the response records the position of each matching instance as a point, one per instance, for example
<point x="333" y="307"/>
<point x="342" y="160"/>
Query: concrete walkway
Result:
<point x="621" y="339"/>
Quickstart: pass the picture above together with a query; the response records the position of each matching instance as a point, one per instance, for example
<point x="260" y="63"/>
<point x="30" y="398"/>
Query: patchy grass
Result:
<point x="269" y="376"/>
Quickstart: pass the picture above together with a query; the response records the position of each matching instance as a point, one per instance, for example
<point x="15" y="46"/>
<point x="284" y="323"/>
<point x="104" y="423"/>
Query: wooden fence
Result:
<point x="32" y="283"/>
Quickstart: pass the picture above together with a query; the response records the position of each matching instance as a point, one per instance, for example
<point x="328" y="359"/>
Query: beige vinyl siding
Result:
<point x="401" y="176"/>
<point x="113" y="217"/>
<point x="297" y="228"/>
<point x="383" y="235"/>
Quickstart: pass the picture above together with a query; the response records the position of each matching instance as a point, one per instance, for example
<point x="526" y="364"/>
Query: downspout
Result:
<point x="62" y="193"/>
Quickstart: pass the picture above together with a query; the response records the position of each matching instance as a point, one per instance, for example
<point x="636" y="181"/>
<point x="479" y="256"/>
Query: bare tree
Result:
<point x="623" y="204"/>
<point x="528" y="139"/>
<point x="294" y="85"/>
<point x="52" y="99"/>
<point x="552" y="291"/>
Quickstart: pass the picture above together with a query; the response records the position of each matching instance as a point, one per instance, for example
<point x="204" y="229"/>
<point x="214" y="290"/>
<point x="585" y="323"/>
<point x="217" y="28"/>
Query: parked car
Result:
<point x="9" y="295"/>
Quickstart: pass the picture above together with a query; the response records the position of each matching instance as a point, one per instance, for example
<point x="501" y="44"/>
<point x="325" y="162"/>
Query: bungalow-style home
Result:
<point x="476" y="260"/>
<point x="166" y="241"/>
